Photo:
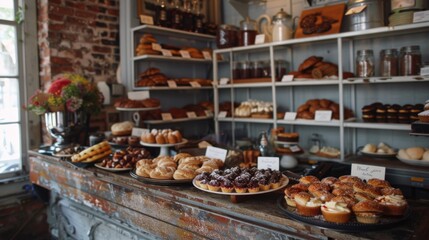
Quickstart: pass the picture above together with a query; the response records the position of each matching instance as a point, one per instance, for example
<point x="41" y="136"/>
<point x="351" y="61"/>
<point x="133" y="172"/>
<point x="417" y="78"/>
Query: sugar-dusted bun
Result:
<point x="403" y="154"/>
<point x="369" y="148"/>
<point x="415" y="153"/>
<point x="122" y="128"/>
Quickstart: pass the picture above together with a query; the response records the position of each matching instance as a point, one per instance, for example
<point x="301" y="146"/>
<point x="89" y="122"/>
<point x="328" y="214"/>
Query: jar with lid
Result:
<point x="236" y="70"/>
<point x="227" y="36"/>
<point x="246" y="69"/>
<point x="410" y="61"/>
<point x="257" y="69"/>
<point x="365" y="63"/>
<point x="247" y="32"/>
<point x="388" y="62"/>
<point x="281" y="66"/>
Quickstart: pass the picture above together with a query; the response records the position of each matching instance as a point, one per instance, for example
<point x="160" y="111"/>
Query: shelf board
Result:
<point x="172" y="32"/>
<point x="383" y="126"/>
<point x="308" y="82"/>
<point x="332" y="123"/>
<point x="246" y="85"/>
<point x="178" y="88"/>
<point x="399" y="79"/>
<point x="247" y="120"/>
<point x="176" y="120"/>
<point x="164" y="58"/>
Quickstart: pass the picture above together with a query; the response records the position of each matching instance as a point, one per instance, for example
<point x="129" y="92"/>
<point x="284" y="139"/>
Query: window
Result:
<point x="13" y="132"/>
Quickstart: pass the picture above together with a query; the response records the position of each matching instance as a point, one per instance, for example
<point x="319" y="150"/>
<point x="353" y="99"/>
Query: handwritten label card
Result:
<point x="139" y="131"/>
<point x="224" y="81"/>
<point x="269" y="162"/>
<point x="291" y="116"/>
<point x="295" y="148"/>
<point x="166" y="116"/>
<point x="156" y="47"/>
<point x="166" y="53"/>
<point x="287" y="78"/>
<point x="323" y="115"/>
<point x="367" y="171"/>
<point x="260" y="38"/>
<point x="191" y="114"/>
<point x="145" y="19"/>
<point x="222" y="114"/>
<point x="172" y="83"/>
<point x="140" y="95"/>
<point x="207" y="55"/>
<point x="185" y="54"/>
<point x="214" y="152"/>
<point x="195" y="84"/>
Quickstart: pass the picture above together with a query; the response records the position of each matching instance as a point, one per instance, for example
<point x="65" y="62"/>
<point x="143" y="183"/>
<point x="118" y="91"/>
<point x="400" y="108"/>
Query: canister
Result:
<point x="410" y="61"/>
<point x="388" y="62"/>
<point x="363" y="14"/>
<point x="365" y="63"/>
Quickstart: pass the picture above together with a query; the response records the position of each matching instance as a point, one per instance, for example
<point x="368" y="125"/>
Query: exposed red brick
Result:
<point x="85" y="14"/>
<point x="60" y="10"/>
<point x="77" y="5"/>
<point x="55" y="2"/>
<point x="102" y="49"/>
<point x="56" y="27"/>
<point x="114" y="12"/>
<point x="60" y="60"/>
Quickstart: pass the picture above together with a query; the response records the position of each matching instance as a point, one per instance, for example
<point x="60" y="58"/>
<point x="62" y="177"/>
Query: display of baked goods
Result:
<point x="154" y="77"/>
<point x="255" y="109"/>
<point x="326" y="152"/>
<point x="228" y="107"/>
<point x="201" y="109"/>
<point x="93" y="154"/>
<point x="250" y="158"/>
<point x="309" y="108"/>
<point x="124" y="140"/>
<point x="424" y="116"/>
<point x="315" y="68"/>
<point x="345" y="199"/>
<point x="391" y="113"/>
<point x="132" y="104"/>
<point x="414" y="153"/>
<point x="162" y="136"/>
<point x="126" y="158"/>
<point x="182" y="166"/>
<point x="240" y="180"/>
<point x="144" y="46"/>
<point x="122" y="128"/>
<point x="382" y="149"/>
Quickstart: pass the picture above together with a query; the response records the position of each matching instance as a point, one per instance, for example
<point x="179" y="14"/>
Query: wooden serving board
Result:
<point x="332" y="13"/>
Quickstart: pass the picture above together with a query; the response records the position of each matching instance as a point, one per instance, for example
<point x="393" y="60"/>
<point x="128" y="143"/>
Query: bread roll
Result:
<point x="403" y="154"/>
<point x="369" y="148"/>
<point x="415" y="153"/>
<point x="426" y="156"/>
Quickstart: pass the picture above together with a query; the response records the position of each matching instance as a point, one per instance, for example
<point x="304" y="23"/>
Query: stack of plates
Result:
<point x="401" y="18"/>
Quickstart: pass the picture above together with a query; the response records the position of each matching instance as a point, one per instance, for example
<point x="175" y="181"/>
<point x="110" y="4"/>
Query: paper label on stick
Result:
<point x="269" y="162"/>
<point x="172" y="83"/>
<point x="368" y="171"/>
<point x="323" y="115"/>
<point x="195" y="84"/>
<point x="224" y="81"/>
<point x="287" y="78"/>
<point x="185" y="54"/>
<point x="166" y="53"/>
<point x="166" y="116"/>
<point x="291" y="116"/>
<point x="214" y="152"/>
<point x="207" y="55"/>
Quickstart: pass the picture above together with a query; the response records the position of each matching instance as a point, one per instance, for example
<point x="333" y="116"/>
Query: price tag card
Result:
<point x="323" y="115"/>
<point x="208" y="113"/>
<point x="287" y="78"/>
<point x="269" y="162"/>
<point x="166" y="116"/>
<point x="172" y="83"/>
<point x="207" y="55"/>
<point x="368" y="171"/>
<point x="222" y="114"/>
<point x="185" y="54"/>
<point x="139" y="131"/>
<point x="214" y="152"/>
<point x="294" y="148"/>
<point x="140" y="95"/>
<point x="260" y="38"/>
<point x="195" y="84"/>
<point x="191" y="114"/>
<point x="166" y="53"/>
<point x="224" y="81"/>
<point x="291" y="116"/>
<point x="156" y="47"/>
<point x="145" y="19"/>
<point x="355" y="10"/>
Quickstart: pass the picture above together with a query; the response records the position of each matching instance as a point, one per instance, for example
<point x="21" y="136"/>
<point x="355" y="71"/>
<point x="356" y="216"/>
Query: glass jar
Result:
<point x="246" y="69"/>
<point x="247" y="32"/>
<point x="389" y="62"/>
<point x="257" y="69"/>
<point x="410" y="61"/>
<point x="236" y="70"/>
<point x="365" y="63"/>
<point x="281" y="66"/>
<point x="227" y="36"/>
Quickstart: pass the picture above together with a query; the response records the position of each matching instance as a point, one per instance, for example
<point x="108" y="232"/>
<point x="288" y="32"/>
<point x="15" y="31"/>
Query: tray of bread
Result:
<point x="417" y="156"/>
<point x="162" y="137"/>
<point x="169" y="170"/>
<point x="240" y="181"/>
<point x="137" y="105"/>
<point x="347" y="203"/>
<point x="381" y="150"/>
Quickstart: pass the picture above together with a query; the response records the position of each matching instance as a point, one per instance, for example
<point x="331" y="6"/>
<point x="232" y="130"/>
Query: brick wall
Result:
<point x="79" y="36"/>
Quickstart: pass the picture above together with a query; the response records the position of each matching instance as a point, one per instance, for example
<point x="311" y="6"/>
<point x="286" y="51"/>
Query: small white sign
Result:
<point x="207" y="55"/>
<point x="323" y="115"/>
<point x="172" y="83"/>
<point x="191" y="114"/>
<point x="166" y="53"/>
<point x="368" y="171"/>
<point x="140" y="95"/>
<point x="214" y="152"/>
<point x="421" y="16"/>
<point x="156" y="47"/>
<point x="166" y="116"/>
<point x="195" y="84"/>
<point x="287" y="78"/>
<point x="294" y="148"/>
<point x="224" y="81"/>
<point x="260" y="38"/>
<point x="185" y="54"/>
<point x="290" y="116"/>
<point x="139" y="131"/>
<point x="145" y="19"/>
<point x="208" y="113"/>
<point x="222" y="114"/>
<point x="269" y="162"/>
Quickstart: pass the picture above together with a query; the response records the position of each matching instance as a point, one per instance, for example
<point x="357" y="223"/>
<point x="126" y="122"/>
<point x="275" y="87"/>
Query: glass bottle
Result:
<point x="365" y="63"/>
<point x="410" y="61"/>
<point x="188" y="17"/>
<point x="175" y="14"/>
<point x="389" y="62"/>
<point x="264" y="145"/>
<point x="163" y="16"/>
<point x="198" y="17"/>
<point x="157" y="9"/>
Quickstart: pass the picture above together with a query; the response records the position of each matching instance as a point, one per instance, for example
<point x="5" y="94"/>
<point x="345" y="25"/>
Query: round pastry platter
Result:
<point x="98" y="165"/>
<point x="163" y="182"/>
<point x="284" y="183"/>
<point x="136" y="109"/>
<point x="352" y="226"/>
<point x="420" y="163"/>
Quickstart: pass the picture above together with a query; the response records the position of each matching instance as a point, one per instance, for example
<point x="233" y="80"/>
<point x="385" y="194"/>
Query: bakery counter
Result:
<point x="179" y="212"/>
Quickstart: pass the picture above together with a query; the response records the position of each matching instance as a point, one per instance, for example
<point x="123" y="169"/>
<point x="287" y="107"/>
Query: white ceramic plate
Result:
<point x="414" y="162"/>
<point x="112" y="169"/>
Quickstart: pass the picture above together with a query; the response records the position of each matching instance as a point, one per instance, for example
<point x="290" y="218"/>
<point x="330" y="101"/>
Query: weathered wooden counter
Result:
<point x="184" y="212"/>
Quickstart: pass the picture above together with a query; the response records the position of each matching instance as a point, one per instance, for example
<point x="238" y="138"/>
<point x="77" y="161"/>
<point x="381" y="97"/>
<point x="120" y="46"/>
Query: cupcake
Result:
<point x="200" y="177"/>
<point x="290" y="194"/>
<point x="368" y="211"/>
<point x="394" y="205"/>
<point x="275" y="179"/>
<point x="253" y="185"/>
<point x="240" y="184"/>
<point x="336" y="212"/>
<point x="204" y="184"/>
<point x="213" y="185"/>
<point x="264" y="184"/>
<point x="307" y="205"/>
<point x="226" y="186"/>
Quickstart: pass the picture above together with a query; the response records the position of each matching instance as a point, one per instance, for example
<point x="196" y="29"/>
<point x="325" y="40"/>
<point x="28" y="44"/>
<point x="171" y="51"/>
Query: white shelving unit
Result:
<point x="353" y="93"/>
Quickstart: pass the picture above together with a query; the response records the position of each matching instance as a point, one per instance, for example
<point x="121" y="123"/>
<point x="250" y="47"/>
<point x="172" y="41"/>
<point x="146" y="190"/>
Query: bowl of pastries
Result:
<point x="417" y="156"/>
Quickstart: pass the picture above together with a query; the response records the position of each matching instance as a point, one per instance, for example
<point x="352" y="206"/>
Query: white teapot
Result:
<point x="279" y="28"/>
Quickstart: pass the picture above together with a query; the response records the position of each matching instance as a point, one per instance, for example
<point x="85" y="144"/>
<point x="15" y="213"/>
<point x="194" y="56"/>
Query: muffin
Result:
<point x="323" y="195"/>
<point x="329" y="180"/>
<point x="349" y="179"/>
<point x="336" y="212"/>
<point x="213" y="185"/>
<point x="378" y="183"/>
<point x="394" y="205"/>
<point x="226" y="186"/>
<point x="240" y="184"/>
<point x="253" y="185"/>
<point x="391" y="191"/>
<point x="368" y="211"/>
<point x="264" y="184"/>
<point x="290" y="194"/>
<point x="349" y="200"/>
<point x="318" y="186"/>
<point x="307" y="205"/>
